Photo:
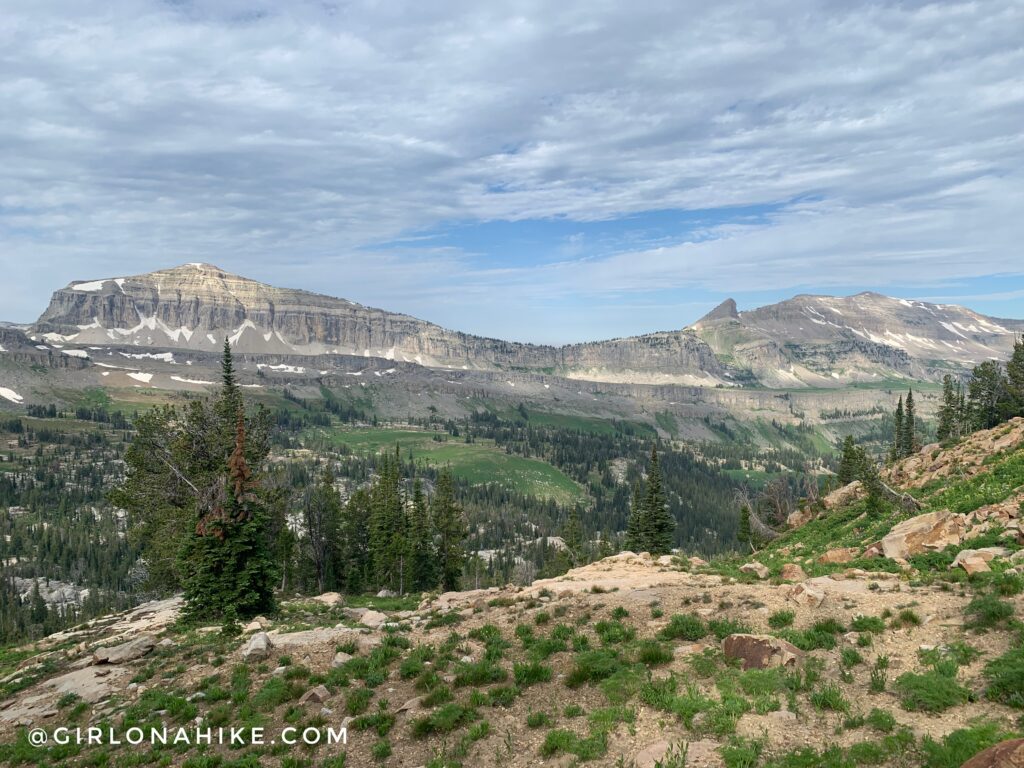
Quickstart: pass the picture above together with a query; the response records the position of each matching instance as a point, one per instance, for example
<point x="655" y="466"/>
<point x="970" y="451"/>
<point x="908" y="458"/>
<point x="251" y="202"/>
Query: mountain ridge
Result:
<point x="806" y="341"/>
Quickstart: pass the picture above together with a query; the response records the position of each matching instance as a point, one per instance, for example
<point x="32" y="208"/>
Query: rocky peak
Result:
<point x="724" y="311"/>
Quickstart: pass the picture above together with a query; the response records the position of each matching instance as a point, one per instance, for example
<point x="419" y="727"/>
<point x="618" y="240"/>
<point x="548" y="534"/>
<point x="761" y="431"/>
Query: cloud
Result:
<point x="296" y="142"/>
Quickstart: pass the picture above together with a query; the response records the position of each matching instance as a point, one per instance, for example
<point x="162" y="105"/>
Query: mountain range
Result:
<point x="804" y="342"/>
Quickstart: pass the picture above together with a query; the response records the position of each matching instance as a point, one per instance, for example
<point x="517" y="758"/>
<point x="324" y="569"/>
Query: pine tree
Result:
<point x="659" y="525"/>
<point x="986" y="392"/>
<point x="389" y="539"/>
<point x="635" y="524"/>
<point x="355" y="542"/>
<point x="195" y="504"/>
<point x="322" y="513"/>
<point x="450" y="527"/>
<point x="1015" y="381"/>
<point x="948" y="412"/>
<point x="848" y="463"/>
<point x="572" y="535"/>
<point x="744" y="535"/>
<point x="423" y="573"/>
<point x="897" y="451"/>
<point x="910" y="443"/>
<point x="229" y="570"/>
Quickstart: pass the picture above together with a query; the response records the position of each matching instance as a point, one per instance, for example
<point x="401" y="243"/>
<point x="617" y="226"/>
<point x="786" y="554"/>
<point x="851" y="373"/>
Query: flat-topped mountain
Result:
<point x="804" y="341"/>
<point x="195" y="306"/>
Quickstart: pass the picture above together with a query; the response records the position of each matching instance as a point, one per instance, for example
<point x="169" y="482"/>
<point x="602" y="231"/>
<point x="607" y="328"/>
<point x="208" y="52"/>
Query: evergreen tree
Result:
<point x="910" y="443"/>
<point x="744" y="535"/>
<point x="450" y="528"/>
<point x="572" y="535"/>
<point x="196" y="506"/>
<point x="986" y="394"/>
<point x="849" y="462"/>
<point x="389" y="540"/>
<point x="355" y="542"/>
<point x="322" y="512"/>
<point x="949" y="417"/>
<point x="659" y="525"/>
<point x="423" y="572"/>
<point x="634" y="541"/>
<point x="229" y="572"/>
<point x="897" y="451"/>
<point x="1015" y="381"/>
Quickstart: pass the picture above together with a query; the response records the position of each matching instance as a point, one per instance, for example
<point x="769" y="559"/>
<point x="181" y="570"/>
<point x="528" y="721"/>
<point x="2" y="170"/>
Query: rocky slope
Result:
<point x="816" y="651"/>
<point x="818" y="340"/>
<point x="806" y="341"/>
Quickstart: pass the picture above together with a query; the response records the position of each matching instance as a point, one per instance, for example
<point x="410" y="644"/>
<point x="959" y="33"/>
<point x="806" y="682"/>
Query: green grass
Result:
<point x="961" y="745"/>
<point x="684" y="627"/>
<point x="478" y="463"/>
<point x="1005" y="676"/>
<point x="931" y="691"/>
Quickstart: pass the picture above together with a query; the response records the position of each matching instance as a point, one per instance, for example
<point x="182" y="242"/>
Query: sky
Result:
<point x="538" y="171"/>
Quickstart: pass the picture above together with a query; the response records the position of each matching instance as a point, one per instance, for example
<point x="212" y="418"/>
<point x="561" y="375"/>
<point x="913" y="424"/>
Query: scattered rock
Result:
<point x="757" y="569"/>
<point x="793" y="572"/>
<point x="761" y="651"/>
<point x="932" y="530"/>
<point x="258" y="648"/>
<point x="317" y="695"/>
<point x="1005" y="754"/>
<point x="974" y="564"/>
<point x="412" y="705"/>
<point x="341" y="658"/>
<point x="373" y="619"/>
<point x="979" y="557"/>
<point x="838" y="556"/>
<point x="118" y="654"/>
<point x="330" y="599"/>
<point x="844" y="496"/>
<point x="804" y="594"/>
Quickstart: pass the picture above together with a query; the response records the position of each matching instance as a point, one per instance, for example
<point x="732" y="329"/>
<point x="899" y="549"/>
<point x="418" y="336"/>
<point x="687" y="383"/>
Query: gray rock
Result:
<point x="133" y="649"/>
<point x="258" y="648"/>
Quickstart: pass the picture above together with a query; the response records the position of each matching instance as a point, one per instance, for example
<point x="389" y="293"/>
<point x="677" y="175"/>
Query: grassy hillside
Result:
<point x="478" y="462"/>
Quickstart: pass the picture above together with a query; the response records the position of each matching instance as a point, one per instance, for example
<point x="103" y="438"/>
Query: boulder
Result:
<point x="1005" y="754"/>
<point x="974" y="564"/>
<point x="793" y="572"/>
<point x="387" y="593"/>
<point x="804" y="594"/>
<point x="317" y="695"/>
<point x="932" y="530"/>
<point x="412" y="705"/>
<point x="800" y="517"/>
<point x="373" y="619"/>
<point x="838" y="556"/>
<point x="761" y="651"/>
<point x="664" y="560"/>
<point x="844" y="496"/>
<point x="340" y="659"/>
<point x="258" y="648"/>
<point x="135" y="648"/>
<point x="696" y="562"/>
<point x="330" y="599"/>
<point x="756" y="569"/>
<point x="984" y="555"/>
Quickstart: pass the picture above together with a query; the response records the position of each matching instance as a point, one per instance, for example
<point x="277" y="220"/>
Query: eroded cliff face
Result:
<point x="823" y="340"/>
<point x="196" y="306"/>
<point x="807" y="341"/>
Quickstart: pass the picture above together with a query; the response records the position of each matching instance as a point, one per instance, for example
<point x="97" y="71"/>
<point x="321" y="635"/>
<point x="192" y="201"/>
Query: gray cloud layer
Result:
<point x="280" y="140"/>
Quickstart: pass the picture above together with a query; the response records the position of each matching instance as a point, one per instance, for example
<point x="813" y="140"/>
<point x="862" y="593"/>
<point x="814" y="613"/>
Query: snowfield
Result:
<point x="145" y="378"/>
<point x="11" y="395"/>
